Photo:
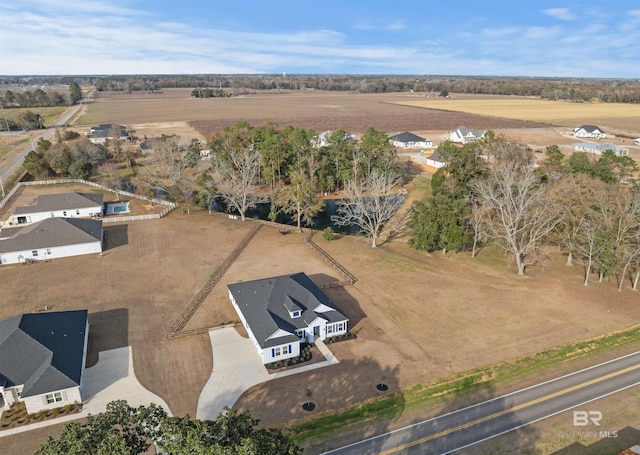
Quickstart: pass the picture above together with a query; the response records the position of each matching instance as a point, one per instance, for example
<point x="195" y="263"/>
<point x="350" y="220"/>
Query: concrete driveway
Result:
<point x="236" y="368"/>
<point x="112" y="378"/>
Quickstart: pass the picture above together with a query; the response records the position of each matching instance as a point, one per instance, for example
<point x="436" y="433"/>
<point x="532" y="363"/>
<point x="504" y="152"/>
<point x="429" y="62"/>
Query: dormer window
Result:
<point x="295" y="314"/>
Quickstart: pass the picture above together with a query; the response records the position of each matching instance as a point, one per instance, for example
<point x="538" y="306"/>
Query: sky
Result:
<point x="581" y="38"/>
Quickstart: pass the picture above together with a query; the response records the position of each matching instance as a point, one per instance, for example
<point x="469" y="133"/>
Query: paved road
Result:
<point x="468" y="426"/>
<point x="12" y="166"/>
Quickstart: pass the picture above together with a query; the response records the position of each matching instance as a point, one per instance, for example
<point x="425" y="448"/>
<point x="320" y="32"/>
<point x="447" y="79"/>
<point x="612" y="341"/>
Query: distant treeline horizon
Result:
<point x="607" y="90"/>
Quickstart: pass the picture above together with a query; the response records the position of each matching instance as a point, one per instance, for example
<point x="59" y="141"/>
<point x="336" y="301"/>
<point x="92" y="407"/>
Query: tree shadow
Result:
<point x="459" y="424"/>
<point x="115" y="236"/>
<point x="408" y="170"/>
<point x="334" y="390"/>
<point x="107" y="330"/>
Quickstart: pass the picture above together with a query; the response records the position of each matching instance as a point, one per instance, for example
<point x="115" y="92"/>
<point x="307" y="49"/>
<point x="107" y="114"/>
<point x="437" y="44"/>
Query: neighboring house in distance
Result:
<point x="637" y="141"/>
<point x="102" y="133"/>
<point x="281" y="312"/>
<point x="50" y="239"/>
<point x="435" y="160"/>
<point x="61" y="205"/>
<point x="462" y="135"/>
<point x="589" y="131"/>
<point x="322" y="140"/>
<point x="42" y="359"/>
<point x="599" y="149"/>
<point x="409" y="140"/>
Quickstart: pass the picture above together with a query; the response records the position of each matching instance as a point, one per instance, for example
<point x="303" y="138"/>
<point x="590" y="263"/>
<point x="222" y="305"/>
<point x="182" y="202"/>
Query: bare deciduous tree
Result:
<point x="234" y="176"/>
<point x="519" y="209"/>
<point x="369" y="203"/>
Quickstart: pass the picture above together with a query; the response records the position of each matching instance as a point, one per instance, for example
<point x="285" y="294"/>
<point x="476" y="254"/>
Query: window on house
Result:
<point x="330" y="328"/>
<point x="53" y="397"/>
<point x="64" y="213"/>
<point x="48" y="250"/>
<point x="34" y="253"/>
<point x="19" y="391"/>
<point x="276" y="351"/>
<point x="295" y="314"/>
<point x="77" y="212"/>
<point x="300" y="333"/>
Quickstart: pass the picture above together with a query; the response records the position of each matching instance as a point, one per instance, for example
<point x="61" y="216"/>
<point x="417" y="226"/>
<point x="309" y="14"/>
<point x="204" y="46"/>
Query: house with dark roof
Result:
<point x="435" y="160"/>
<point x="463" y="135"/>
<point x="589" y="131"/>
<point x="50" y="239"/>
<point x="60" y="205"/>
<point x="42" y="359"/>
<point x="409" y="140"/>
<point x="104" y="132"/>
<point x="281" y="312"/>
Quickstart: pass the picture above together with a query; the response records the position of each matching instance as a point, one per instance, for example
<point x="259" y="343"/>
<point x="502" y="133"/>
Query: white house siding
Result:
<point x="594" y="134"/>
<point x="412" y="145"/>
<point x="280" y="352"/>
<point x="16" y="257"/>
<point x="244" y="323"/>
<point x="38" y="403"/>
<point x="72" y="213"/>
<point x="335" y="328"/>
<point x="436" y="164"/>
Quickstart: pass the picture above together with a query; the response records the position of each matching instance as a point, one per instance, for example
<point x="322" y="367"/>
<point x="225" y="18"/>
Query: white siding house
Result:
<point x="42" y="359"/>
<point x="435" y="160"/>
<point x="61" y="205"/>
<point x="409" y="140"/>
<point x="589" y="131"/>
<point x="50" y="239"/>
<point x="462" y="135"/>
<point x="102" y="133"/>
<point x="599" y="149"/>
<point x="280" y="313"/>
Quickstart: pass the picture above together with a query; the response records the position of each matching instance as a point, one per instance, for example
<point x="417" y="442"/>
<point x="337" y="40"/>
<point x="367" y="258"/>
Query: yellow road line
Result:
<point x="507" y="411"/>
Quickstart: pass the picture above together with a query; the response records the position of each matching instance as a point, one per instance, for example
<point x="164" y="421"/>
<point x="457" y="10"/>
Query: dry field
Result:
<point x="315" y="110"/>
<point x="611" y="116"/>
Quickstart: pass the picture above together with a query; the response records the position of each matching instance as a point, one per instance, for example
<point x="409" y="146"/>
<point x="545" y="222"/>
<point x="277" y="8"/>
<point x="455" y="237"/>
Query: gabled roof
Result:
<point x="43" y="351"/>
<point x="435" y="156"/>
<point x="406" y="137"/>
<point x="589" y="128"/>
<point x="49" y="233"/>
<point x="601" y="147"/>
<point x="266" y="303"/>
<point x="470" y="132"/>
<point x="104" y="130"/>
<point x="61" y="201"/>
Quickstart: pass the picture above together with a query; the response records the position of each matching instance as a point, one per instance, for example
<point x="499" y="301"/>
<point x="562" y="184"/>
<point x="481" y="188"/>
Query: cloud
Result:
<point x="392" y="27"/>
<point x="562" y="14"/>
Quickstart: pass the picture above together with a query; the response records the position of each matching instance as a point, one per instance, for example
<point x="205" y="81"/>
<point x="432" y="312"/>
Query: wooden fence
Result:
<point x="348" y="276"/>
<point x="176" y="329"/>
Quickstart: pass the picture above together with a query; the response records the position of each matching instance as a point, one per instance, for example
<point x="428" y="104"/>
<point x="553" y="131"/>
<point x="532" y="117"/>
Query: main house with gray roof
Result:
<point x="281" y="312"/>
<point x="50" y="239"/>
<point x="409" y="140"/>
<point x="463" y="135"/>
<point x="589" y="131"/>
<point x="42" y="359"/>
<point x="60" y="205"/>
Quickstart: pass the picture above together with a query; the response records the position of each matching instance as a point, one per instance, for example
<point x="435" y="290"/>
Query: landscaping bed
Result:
<point x="17" y="415"/>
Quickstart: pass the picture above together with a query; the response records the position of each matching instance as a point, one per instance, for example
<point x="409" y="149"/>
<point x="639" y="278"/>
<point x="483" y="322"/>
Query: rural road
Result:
<point x="468" y="426"/>
<point x="12" y="166"/>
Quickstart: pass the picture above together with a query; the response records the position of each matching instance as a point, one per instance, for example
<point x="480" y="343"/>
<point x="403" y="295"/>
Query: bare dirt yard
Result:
<point x="417" y="316"/>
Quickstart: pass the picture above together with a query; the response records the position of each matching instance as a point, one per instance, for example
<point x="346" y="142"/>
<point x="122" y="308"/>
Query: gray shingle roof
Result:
<point x="61" y="201"/>
<point x="464" y="131"/>
<point x="43" y="351"/>
<point x="589" y="128"/>
<point x="49" y="233"/>
<point x="266" y="305"/>
<point x="435" y="156"/>
<point x="406" y="137"/>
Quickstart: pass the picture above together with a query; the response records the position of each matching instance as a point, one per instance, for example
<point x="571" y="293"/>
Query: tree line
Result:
<point x="288" y="167"/>
<point x="570" y="89"/>
<point x="40" y="98"/>
<point x="494" y="192"/>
